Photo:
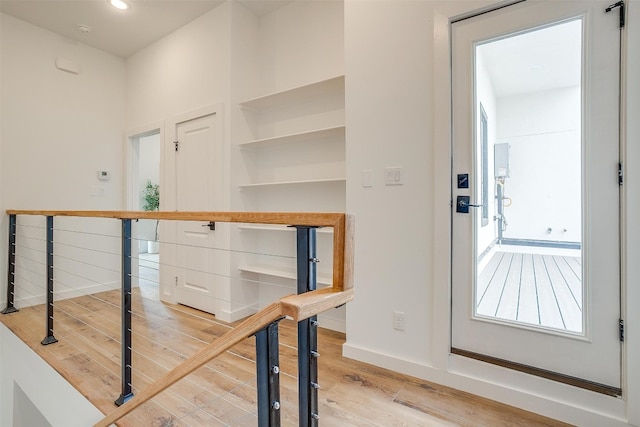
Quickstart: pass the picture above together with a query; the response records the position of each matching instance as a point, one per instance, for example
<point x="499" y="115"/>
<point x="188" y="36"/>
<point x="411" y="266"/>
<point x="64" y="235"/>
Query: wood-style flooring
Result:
<point x="536" y="289"/>
<point x="222" y="393"/>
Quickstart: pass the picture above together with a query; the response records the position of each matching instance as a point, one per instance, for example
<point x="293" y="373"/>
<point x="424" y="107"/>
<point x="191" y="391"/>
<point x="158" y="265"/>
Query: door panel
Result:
<point x="535" y="263"/>
<point x="201" y="274"/>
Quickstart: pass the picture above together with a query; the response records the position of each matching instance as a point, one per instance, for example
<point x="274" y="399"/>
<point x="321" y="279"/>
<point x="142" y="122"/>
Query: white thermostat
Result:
<point x="104" y="175"/>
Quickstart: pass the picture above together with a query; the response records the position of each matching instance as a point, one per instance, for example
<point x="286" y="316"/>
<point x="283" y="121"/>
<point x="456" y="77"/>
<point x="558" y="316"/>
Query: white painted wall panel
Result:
<point x="186" y="70"/>
<point x="51" y="394"/>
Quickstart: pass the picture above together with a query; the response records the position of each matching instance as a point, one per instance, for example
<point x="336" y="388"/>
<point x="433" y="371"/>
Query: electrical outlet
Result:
<point x="398" y="320"/>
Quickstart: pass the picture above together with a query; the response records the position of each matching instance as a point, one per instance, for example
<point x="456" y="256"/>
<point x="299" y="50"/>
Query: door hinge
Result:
<point x="620" y="174"/>
<point x="176" y="143"/>
<point x="621" y="328"/>
<point x="619" y="4"/>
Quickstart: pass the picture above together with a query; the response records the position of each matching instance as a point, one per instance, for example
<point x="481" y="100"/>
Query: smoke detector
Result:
<point x="84" y="29"/>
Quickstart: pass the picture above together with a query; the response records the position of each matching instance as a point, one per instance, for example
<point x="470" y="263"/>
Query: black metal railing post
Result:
<point x="11" y="268"/>
<point x="307" y="330"/>
<point x="49" y="338"/>
<point x="268" y="370"/>
<point x="127" y="393"/>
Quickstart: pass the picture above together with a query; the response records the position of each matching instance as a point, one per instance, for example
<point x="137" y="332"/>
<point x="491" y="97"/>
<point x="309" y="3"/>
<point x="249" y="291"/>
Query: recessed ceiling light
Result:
<point x="119" y="4"/>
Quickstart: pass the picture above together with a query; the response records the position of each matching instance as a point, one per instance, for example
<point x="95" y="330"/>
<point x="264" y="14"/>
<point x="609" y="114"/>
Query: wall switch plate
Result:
<point x="393" y="175"/>
<point x="398" y="320"/>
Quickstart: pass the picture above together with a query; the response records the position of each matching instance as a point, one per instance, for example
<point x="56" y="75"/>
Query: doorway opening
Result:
<point x="528" y="96"/>
<point x="145" y="192"/>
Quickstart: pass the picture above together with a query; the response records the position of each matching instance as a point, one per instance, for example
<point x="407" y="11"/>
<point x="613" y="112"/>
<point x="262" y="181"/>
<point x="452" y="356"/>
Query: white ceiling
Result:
<point x="543" y="59"/>
<point x="121" y="33"/>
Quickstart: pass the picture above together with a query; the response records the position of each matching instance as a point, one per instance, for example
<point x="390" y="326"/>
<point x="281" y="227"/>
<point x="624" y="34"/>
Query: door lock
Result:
<point x="463" y="204"/>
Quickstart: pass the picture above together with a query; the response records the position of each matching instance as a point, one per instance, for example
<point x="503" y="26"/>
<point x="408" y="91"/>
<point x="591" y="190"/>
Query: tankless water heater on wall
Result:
<point x="501" y="160"/>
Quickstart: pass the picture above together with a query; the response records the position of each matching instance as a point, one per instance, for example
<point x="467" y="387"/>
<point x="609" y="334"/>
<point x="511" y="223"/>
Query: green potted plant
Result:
<point x="151" y="202"/>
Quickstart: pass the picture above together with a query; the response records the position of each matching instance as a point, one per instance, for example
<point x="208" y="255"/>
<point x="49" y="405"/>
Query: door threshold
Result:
<point x="543" y="373"/>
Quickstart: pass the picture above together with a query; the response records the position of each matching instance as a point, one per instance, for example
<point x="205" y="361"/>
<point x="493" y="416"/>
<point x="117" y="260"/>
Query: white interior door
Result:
<point x="536" y="261"/>
<point x="200" y="255"/>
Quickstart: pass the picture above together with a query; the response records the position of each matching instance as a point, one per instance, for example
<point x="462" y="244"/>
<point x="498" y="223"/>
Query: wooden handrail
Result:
<point x="299" y="307"/>
<point x="342" y="225"/>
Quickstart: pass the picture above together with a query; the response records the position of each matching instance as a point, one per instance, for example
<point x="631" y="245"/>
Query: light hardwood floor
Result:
<point x="223" y="392"/>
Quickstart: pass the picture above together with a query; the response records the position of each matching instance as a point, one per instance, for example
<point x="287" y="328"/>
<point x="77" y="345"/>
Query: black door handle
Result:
<point x="211" y="225"/>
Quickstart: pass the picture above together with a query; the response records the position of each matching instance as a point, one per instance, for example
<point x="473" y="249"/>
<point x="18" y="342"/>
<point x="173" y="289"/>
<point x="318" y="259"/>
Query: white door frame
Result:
<point x="531" y="393"/>
<point x="131" y="184"/>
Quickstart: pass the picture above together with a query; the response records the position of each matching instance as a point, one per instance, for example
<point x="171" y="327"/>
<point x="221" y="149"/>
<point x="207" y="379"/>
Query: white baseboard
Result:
<point x="237" y="314"/>
<point x="548" y="398"/>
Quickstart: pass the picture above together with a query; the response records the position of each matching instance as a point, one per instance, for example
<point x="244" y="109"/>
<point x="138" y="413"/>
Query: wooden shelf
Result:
<point x="280" y="272"/>
<point x="337" y="131"/>
<point x="296" y="94"/>
<point x="284" y="183"/>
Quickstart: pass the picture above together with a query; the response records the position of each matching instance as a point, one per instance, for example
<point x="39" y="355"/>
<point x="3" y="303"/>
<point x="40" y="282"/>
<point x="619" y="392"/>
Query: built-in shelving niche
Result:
<point x="294" y="160"/>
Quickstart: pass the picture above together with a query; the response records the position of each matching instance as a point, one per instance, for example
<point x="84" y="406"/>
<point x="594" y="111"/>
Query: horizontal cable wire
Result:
<point x="88" y="233"/>
<point x="86" y="263"/>
<point x="199" y="406"/>
<point x="40" y="251"/>
<point x="25" y="258"/>
<point x="134" y="351"/>
<point x="181" y="355"/>
<point x="39" y="227"/>
<point x="84" y="248"/>
<point x="37" y="239"/>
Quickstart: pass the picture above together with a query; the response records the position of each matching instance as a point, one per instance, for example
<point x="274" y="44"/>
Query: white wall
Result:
<point x="301" y="43"/>
<point x="58" y="130"/>
<point x="543" y="131"/>
<point x="389" y="109"/>
<point x="186" y="70"/>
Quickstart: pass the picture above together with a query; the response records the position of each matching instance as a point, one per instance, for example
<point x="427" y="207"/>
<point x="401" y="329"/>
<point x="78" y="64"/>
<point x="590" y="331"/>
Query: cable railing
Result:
<point x="84" y="269"/>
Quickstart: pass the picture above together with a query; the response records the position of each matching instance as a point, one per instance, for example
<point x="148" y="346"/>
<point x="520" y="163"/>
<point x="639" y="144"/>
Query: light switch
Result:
<point x="394" y="175"/>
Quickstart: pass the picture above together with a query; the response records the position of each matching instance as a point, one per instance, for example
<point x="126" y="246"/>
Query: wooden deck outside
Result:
<point x="222" y="393"/>
<point x="530" y="288"/>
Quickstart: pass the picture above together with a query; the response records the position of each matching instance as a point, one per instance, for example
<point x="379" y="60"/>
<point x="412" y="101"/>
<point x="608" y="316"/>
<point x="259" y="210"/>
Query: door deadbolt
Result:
<point x="463" y="204"/>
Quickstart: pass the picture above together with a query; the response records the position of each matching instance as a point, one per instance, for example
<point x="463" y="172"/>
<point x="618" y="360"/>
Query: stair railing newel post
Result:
<point x="127" y="392"/>
<point x="11" y="267"/>
<point x="307" y="330"/>
<point x="49" y="338"/>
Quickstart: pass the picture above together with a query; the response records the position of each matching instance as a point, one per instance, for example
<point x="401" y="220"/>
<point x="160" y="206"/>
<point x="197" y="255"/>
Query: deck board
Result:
<point x="508" y="304"/>
<point x="535" y="289"/>
<point x="222" y="393"/>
